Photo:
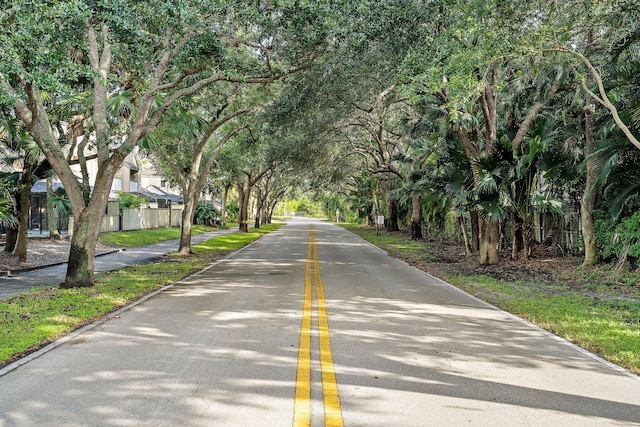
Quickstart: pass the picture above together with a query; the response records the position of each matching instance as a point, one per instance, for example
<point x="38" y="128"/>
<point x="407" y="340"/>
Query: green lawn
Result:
<point x="30" y="320"/>
<point x="147" y="237"/>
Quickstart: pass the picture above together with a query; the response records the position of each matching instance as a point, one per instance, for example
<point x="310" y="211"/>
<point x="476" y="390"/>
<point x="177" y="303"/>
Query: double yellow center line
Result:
<point x="302" y="405"/>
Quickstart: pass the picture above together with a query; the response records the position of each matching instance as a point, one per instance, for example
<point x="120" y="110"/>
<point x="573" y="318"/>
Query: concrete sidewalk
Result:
<point x="24" y="281"/>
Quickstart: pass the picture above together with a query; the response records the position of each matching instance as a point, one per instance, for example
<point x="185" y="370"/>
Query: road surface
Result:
<point x="262" y="339"/>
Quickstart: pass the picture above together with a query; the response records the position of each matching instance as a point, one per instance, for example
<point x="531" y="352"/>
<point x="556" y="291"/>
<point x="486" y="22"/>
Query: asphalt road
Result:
<point x="226" y="348"/>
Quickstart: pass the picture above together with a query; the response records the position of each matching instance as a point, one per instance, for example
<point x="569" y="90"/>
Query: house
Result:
<point x="156" y="188"/>
<point x="127" y="180"/>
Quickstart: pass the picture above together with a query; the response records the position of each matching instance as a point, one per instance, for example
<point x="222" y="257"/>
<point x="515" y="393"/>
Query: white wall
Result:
<point x="142" y="219"/>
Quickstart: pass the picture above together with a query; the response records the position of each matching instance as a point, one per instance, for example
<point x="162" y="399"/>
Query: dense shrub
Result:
<point x="619" y="241"/>
<point x="233" y="211"/>
<point x="205" y="213"/>
<point x="129" y="201"/>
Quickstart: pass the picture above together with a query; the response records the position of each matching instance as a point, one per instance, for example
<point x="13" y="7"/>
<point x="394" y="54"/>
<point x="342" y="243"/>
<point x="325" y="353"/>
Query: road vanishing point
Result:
<point x="312" y="326"/>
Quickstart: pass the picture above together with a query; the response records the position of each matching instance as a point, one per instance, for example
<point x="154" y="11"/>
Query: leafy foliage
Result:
<point x="232" y="210"/>
<point x="129" y="201"/>
<point x="619" y="240"/>
<point x="205" y="213"/>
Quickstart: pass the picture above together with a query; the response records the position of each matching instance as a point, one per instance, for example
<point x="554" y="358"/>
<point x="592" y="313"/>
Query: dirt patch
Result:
<point x="448" y="259"/>
<point x="41" y="252"/>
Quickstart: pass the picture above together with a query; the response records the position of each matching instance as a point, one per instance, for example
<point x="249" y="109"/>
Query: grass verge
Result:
<point x="573" y="303"/>
<point x="33" y="319"/>
<point x="131" y="239"/>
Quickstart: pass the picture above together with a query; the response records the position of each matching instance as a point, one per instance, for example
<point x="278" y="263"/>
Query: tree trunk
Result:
<point x="392" y="209"/>
<point x="243" y="204"/>
<point x="87" y="219"/>
<point x="465" y="235"/>
<point x="52" y="224"/>
<point x="475" y="230"/>
<point x="370" y="218"/>
<point x="392" y="216"/>
<point x="416" y="217"/>
<point x="12" y="230"/>
<point x="223" y="208"/>
<point x="588" y="199"/>
<point x="184" y="247"/>
<point x="86" y="228"/>
<point x="527" y="238"/>
<point x="271" y="209"/>
<point x="11" y="239"/>
<point x="265" y="214"/>
<point x="559" y="235"/>
<point x="25" y="204"/>
<point x="587" y="203"/>
<point x="259" y="203"/>
<point x="489" y="241"/>
<point x="516" y="236"/>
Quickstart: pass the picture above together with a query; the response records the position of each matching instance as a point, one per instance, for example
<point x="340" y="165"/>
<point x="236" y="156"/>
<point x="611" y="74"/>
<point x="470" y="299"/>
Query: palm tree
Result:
<point x="619" y="175"/>
<point x="7" y="203"/>
<point x="529" y="191"/>
<point x="20" y="150"/>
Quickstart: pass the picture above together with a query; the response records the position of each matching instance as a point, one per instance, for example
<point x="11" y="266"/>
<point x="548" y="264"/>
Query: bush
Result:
<point x="205" y="213"/>
<point x="233" y="211"/>
<point x="619" y="241"/>
<point x="129" y="201"/>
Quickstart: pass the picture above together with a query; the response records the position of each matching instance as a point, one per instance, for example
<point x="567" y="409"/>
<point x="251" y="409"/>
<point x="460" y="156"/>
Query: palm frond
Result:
<point x="545" y="203"/>
<point x="121" y="104"/>
<point x="491" y="211"/>
<point x="622" y="197"/>
<point x="6" y="212"/>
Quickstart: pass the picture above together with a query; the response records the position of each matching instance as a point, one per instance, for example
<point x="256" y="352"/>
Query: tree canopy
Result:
<point x="510" y="116"/>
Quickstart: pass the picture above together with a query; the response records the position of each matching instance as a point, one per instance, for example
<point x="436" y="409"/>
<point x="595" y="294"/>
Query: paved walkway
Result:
<point x="54" y="275"/>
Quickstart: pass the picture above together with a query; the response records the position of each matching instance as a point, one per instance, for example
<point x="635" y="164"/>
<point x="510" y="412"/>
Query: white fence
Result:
<point x="142" y="219"/>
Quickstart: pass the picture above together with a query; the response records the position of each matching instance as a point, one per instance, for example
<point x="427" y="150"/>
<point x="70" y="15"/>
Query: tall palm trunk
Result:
<point x="465" y="235"/>
<point x="392" y="208"/>
<point x="52" y="224"/>
<point x="489" y="241"/>
<point x="516" y="236"/>
<point x="527" y="238"/>
<point x="223" y="208"/>
<point x="416" y="217"/>
<point x="25" y="204"/>
<point x="475" y="230"/>
<point x="259" y="203"/>
<point x="588" y="199"/>
<point x="243" y="204"/>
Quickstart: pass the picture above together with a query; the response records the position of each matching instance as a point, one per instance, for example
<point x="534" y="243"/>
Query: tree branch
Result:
<point x="533" y="113"/>
<point x="603" y="99"/>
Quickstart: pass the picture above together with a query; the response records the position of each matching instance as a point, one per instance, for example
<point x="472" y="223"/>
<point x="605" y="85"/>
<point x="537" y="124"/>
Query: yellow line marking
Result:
<point x="302" y="405"/>
<point x="332" y="408"/>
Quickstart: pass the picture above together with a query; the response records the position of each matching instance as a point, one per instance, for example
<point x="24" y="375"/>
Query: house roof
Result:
<point x="130" y="164"/>
<point x="41" y="186"/>
<point x="155" y="193"/>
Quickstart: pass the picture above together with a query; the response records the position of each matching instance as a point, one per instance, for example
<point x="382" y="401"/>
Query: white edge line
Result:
<point x="564" y="341"/>
<point x="77" y="332"/>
